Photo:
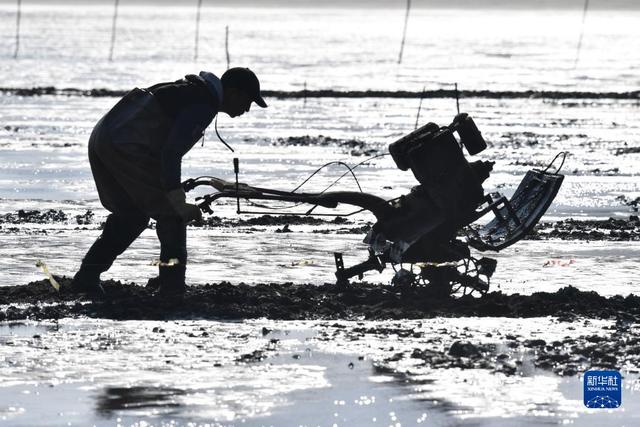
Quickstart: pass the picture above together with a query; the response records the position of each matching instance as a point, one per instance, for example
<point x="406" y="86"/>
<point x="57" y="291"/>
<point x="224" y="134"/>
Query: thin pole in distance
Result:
<point x="18" y="16"/>
<point x="113" y="29"/>
<point x="226" y="44"/>
<point x="404" y="32"/>
<point x="419" y="108"/>
<point x="579" y="47"/>
<point x="195" y="54"/>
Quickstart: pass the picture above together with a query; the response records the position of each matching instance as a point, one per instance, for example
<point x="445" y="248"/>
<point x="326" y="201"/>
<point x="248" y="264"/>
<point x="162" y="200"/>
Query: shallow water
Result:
<point x="43" y="145"/>
<point x="40" y="172"/>
<point x="278" y="373"/>
<point x="260" y="372"/>
<point x="68" y="46"/>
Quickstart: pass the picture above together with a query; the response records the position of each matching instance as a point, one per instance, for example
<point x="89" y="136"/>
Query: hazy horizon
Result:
<point x="418" y="4"/>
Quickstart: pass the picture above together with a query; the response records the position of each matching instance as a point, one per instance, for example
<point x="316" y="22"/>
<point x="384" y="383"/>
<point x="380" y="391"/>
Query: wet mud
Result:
<point x="288" y="301"/>
<point x="34" y="217"/>
<point x="508" y="354"/>
<point x="611" y="229"/>
<point x="269" y="220"/>
<point x="52" y="216"/>
<point x="10" y="221"/>
<point x="449" y="93"/>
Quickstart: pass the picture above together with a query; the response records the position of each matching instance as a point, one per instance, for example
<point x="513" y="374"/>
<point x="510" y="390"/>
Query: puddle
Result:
<point x="270" y="373"/>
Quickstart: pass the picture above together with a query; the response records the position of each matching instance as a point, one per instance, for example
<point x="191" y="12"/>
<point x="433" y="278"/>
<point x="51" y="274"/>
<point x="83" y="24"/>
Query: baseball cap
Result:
<point x="245" y="80"/>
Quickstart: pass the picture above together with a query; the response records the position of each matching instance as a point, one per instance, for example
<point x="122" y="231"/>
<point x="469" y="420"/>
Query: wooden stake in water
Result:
<point x="226" y="44"/>
<point x="584" y="17"/>
<point x="18" y="14"/>
<point x="419" y="108"/>
<point x="304" y="92"/>
<point x="457" y="98"/>
<point x="195" y="54"/>
<point x="404" y="32"/>
<point x="113" y="29"/>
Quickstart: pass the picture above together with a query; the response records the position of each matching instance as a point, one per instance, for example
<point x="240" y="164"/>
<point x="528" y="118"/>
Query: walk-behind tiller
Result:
<point x="426" y="234"/>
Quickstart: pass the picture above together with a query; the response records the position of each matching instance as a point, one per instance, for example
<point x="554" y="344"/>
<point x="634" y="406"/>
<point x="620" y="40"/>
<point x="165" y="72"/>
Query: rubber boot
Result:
<point x="97" y="260"/>
<point x="87" y="282"/>
<point x="118" y="233"/>
<point x="172" y="233"/>
<point x="153" y="284"/>
<point x="171" y="280"/>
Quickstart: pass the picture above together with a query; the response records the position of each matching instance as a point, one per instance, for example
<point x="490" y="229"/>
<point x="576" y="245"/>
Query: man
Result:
<point x="135" y="152"/>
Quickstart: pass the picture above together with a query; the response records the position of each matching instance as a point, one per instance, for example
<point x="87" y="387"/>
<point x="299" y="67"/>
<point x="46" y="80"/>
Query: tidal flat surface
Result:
<point x="262" y="372"/>
<point x="273" y="372"/>
<point x="44" y="166"/>
<point x="63" y="363"/>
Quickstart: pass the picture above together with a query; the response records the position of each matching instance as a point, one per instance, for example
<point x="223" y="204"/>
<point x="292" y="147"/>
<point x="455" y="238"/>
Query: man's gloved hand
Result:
<point x="186" y="211"/>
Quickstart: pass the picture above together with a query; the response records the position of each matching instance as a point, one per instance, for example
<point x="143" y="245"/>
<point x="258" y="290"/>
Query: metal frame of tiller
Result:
<point x="418" y="234"/>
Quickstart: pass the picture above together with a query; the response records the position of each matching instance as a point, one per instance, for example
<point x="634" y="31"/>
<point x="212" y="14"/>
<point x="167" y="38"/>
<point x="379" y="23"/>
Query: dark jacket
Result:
<point x="168" y="119"/>
<point x="141" y="141"/>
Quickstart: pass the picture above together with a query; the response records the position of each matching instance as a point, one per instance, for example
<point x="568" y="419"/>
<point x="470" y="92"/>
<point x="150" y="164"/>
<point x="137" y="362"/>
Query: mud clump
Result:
<point x="33" y="217"/>
<point x="634" y="204"/>
<point x="50" y="216"/>
<point x="85" y="219"/>
<point x="604" y="172"/>
<point x="612" y="229"/>
<point x="626" y="150"/>
<point x="464" y="355"/>
<point x="464" y="349"/>
<point x="288" y="220"/>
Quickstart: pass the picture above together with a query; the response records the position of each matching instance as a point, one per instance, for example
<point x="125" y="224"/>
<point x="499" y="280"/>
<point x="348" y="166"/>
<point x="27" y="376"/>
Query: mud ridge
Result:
<point x="38" y="300"/>
<point x="328" y="93"/>
<point x="269" y="220"/>
<point x="626" y="150"/>
<point x="53" y="216"/>
<point x="612" y="229"/>
<point x="354" y="147"/>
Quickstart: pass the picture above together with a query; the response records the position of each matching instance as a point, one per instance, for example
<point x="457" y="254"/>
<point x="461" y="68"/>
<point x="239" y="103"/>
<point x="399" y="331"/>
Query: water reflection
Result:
<point x="142" y="399"/>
